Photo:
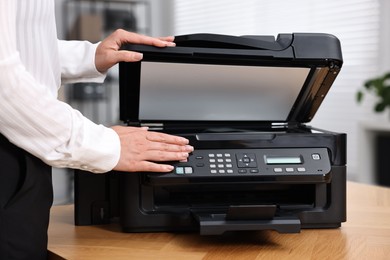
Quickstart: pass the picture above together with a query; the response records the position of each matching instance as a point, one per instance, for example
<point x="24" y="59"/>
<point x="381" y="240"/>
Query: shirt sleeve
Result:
<point x="77" y="60"/>
<point x="33" y="118"/>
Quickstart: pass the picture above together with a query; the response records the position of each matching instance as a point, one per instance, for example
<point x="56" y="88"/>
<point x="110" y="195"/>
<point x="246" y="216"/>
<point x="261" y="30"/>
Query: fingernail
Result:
<point x="138" y="56"/>
<point x="184" y="140"/>
<point x="171" y="44"/>
<point x="189" y="148"/>
<point x="169" y="167"/>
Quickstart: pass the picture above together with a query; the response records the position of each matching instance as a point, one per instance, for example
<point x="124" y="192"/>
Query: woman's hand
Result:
<point x="141" y="149"/>
<point x="108" y="52"/>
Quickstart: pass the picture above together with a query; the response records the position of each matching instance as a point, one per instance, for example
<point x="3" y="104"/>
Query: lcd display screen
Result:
<point x="283" y="160"/>
<point x="208" y="92"/>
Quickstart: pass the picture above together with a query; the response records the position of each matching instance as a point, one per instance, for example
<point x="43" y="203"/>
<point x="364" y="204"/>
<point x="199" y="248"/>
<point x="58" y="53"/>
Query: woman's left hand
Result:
<point x="108" y="52"/>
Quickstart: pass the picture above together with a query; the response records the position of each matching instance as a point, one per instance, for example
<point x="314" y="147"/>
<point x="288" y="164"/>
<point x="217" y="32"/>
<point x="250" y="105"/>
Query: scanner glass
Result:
<point x="209" y="92"/>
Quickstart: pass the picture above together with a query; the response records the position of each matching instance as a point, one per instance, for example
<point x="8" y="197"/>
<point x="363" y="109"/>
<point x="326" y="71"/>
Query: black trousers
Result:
<point x="26" y="195"/>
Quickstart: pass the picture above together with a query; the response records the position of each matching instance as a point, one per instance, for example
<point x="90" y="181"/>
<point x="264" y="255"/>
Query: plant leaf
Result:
<point x="380" y="107"/>
<point x="359" y="96"/>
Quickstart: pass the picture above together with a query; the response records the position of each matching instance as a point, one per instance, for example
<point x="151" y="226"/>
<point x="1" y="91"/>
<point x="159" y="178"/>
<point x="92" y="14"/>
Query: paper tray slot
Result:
<point x="241" y="218"/>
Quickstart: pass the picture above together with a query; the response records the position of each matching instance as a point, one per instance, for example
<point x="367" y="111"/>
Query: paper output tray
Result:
<point x="246" y="217"/>
<point x="216" y="224"/>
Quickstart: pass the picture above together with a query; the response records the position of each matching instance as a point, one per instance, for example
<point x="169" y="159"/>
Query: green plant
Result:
<point x="380" y="86"/>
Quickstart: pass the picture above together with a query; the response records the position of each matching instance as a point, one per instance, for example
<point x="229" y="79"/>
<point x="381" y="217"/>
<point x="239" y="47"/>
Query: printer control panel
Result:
<point x="256" y="162"/>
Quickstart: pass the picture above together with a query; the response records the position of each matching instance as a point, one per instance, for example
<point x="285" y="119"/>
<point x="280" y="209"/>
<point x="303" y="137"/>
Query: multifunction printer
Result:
<point x="245" y="104"/>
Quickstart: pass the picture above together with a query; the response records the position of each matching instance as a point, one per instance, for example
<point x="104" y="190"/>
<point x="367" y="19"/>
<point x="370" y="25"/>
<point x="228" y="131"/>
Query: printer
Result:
<point x="244" y="103"/>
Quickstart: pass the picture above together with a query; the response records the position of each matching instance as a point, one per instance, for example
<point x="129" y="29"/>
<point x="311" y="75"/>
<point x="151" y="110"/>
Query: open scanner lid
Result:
<point x="221" y="79"/>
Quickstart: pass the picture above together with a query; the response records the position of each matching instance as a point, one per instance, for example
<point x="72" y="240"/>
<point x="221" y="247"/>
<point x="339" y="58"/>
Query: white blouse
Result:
<point x="33" y="64"/>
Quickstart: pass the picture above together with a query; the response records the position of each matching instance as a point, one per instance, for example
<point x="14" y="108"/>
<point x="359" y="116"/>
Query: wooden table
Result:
<point x="365" y="235"/>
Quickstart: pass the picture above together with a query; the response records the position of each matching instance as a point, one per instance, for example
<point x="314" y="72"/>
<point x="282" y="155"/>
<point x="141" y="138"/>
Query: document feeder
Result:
<point x="244" y="104"/>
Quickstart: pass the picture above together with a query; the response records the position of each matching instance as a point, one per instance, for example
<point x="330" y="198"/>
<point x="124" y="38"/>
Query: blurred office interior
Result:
<point x="363" y="27"/>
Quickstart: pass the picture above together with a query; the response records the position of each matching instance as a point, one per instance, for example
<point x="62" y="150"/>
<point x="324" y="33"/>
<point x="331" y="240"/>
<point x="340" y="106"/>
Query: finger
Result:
<point x="136" y="38"/>
<point x="167" y="38"/>
<point x="164" y="156"/>
<point x="146" y="166"/>
<point x="158" y="42"/>
<point x="157" y="146"/>
<point x="166" y="138"/>
<point x="127" y="56"/>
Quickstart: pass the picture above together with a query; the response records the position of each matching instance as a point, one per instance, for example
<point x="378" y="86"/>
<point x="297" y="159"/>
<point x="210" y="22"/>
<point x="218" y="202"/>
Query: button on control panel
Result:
<point x="246" y="160"/>
<point x="255" y="162"/>
<point x="183" y="170"/>
<point x="220" y="163"/>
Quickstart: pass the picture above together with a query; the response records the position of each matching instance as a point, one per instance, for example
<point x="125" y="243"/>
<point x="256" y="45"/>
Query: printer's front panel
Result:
<point x="291" y="165"/>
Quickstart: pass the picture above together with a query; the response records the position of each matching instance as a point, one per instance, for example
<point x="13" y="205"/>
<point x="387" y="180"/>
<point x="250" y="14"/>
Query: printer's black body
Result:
<point x="255" y="165"/>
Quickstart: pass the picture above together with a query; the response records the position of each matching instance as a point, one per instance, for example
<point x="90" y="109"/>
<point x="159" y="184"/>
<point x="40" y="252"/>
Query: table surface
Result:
<point x="365" y="235"/>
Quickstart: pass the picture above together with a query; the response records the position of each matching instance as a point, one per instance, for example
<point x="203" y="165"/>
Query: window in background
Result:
<point x="356" y="23"/>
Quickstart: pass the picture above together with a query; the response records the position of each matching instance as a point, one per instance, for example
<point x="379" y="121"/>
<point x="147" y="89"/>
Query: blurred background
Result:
<point x="363" y="27"/>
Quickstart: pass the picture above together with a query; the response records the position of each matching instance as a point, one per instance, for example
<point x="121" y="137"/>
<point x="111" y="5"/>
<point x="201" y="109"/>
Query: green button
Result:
<point x="179" y="170"/>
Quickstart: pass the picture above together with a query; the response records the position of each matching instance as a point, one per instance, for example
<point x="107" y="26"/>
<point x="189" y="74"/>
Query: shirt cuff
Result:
<point x="100" y="149"/>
